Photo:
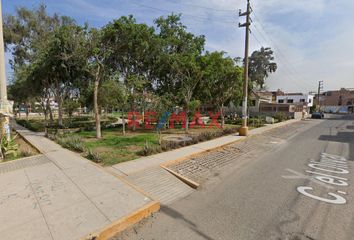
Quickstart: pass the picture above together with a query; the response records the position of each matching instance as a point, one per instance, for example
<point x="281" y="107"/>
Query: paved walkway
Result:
<point x="60" y="195"/>
<point x="161" y="185"/>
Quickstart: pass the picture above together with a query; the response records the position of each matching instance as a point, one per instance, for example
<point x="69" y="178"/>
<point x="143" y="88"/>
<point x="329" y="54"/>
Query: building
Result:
<point x="337" y="101"/>
<point x="296" y="98"/>
<point x="290" y="110"/>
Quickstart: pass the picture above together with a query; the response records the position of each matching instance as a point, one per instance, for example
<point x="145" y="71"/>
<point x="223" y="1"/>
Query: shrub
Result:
<point x="280" y="116"/>
<point x="74" y="143"/>
<point x="93" y="156"/>
<point x="149" y="150"/>
<point x="9" y="147"/>
<point x="33" y="125"/>
<point x="26" y="153"/>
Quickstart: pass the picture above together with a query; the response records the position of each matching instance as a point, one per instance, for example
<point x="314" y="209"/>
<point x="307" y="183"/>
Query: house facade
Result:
<point x="296" y="98"/>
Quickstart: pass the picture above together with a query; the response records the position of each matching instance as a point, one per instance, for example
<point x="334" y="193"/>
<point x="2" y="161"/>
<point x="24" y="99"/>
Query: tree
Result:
<point x="97" y="70"/>
<point x="71" y="105"/>
<point x="28" y="28"/>
<point x="187" y="71"/>
<point x="179" y="59"/>
<point x="51" y="48"/>
<point x="131" y="47"/>
<point x="261" y="65"/>
<point x="222" y="80"/>
<point x="175" y="42"/>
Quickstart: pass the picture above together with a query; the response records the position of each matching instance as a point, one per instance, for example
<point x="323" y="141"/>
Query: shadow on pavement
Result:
<point x="176" y="215"/>
<point x="343" y="136"/>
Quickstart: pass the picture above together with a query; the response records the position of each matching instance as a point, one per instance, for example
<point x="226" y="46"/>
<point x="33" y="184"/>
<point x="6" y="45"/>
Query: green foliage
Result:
<point x="9" y="147"/>
<point x="261" y="64"/>
<point x="124" y="65"/>
<point x="33" y="125"/>
<point x="280" y="116"/>
<point x="70" y="106"/>
<point x="93" y="156"/>
<point x="149" y="150"/>
<point x="71" y="142"/>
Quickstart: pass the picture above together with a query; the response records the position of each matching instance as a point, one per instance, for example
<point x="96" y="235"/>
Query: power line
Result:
<point x="270" y="39"/>
<point x="289" y="75"/>
<point x="203" y="7"/>
<point x="195" y="17"/>
<point x="277" y="50"/>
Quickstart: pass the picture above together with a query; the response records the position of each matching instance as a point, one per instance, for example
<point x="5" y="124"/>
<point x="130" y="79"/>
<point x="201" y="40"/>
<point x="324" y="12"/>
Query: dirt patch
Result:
<point x="25" y="148"/>
<point x="103" y="149"/>
<point x="133" y="148"/>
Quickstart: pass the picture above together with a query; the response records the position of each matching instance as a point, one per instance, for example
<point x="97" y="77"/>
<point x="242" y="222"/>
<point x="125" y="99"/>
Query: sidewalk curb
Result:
<point x="125" y="222"/>
<point x="187" y="181"/>
<point x="28" y="142"/>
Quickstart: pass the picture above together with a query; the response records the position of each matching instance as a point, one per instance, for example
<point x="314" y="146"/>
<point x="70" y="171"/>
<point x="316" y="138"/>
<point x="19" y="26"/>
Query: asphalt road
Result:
<point x="282" y="194"/>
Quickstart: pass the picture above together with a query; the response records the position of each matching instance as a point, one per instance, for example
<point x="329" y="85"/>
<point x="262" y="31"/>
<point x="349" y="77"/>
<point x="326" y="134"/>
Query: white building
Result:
<point x="296" y="98"/>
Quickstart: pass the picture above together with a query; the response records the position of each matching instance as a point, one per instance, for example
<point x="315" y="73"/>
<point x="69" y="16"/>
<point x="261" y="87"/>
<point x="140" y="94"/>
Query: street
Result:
<point x="294" y="183"/>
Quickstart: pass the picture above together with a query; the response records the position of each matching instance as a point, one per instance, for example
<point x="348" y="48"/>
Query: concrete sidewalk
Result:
<point x="60" y="195"/>
<point x="132" y="167"/>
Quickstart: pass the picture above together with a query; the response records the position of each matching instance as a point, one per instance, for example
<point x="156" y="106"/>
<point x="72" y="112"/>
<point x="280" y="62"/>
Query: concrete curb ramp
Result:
<point x="125" y="222"/>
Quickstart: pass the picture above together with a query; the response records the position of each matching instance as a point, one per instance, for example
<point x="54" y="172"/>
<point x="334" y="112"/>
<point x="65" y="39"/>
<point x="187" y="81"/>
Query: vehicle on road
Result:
<point x="317" y="115"/>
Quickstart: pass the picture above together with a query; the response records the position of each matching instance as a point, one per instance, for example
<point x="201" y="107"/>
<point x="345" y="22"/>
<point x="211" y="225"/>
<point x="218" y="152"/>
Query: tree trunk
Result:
<point x="27" y="111"/>
<point x="222" y="116"/>
<point x="123" y="120"/>
<point x="50" y="111"/>
<point x="187" y="119"/>
<point x="60" y="112"/>
<point x="96" y="107"/>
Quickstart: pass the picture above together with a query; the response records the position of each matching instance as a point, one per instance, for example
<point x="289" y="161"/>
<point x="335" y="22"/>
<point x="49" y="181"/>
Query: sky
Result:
<point x="312" y="40"/>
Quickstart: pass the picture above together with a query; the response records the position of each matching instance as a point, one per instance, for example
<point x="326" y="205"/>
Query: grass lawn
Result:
<point x="114" y="148"/>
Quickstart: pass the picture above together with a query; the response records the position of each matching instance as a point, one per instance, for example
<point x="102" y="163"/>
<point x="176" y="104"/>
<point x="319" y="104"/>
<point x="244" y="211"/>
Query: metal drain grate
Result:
<point x="23" y="163"/>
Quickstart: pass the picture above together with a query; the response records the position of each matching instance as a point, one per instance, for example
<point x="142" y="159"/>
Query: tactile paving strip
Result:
<point x="23" y="163"/>
<point x="201" y="167"/>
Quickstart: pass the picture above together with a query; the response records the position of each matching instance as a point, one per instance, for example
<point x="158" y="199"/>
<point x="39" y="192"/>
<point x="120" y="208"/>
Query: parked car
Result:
<point x="317" y="115"/>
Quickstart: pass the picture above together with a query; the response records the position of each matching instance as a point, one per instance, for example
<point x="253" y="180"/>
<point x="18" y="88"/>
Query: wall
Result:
<point x="297" y="99"/>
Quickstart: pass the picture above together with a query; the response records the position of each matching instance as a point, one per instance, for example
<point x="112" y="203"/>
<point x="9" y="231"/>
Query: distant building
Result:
<point x="337" y="101"/>
<point x="270" y="103"/>
<point x="296" y="98"/>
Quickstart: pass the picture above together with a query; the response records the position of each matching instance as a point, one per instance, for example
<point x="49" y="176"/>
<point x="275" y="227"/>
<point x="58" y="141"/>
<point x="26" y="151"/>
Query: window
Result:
<point x="310" y="100"/>
<point x="302" y="100"/>
<point x="281" y="101"/>
<point x="290" y="100"/>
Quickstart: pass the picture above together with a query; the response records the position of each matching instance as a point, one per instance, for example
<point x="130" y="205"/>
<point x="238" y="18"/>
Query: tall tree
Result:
<point x="49" y="47"/>
<point x="222" y="81"/>
<point x="98" y="71"/>
<point x="261" y="65"/>
<point x="131" y="51"/>
<point x="67" y="59"/>
<point x="179" y="60"/>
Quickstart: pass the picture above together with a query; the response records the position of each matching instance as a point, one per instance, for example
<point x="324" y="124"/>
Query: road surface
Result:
<point x="297" y="187"/>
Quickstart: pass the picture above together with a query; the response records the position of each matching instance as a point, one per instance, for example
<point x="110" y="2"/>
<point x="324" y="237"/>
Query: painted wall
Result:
<point x="307" y="98"/>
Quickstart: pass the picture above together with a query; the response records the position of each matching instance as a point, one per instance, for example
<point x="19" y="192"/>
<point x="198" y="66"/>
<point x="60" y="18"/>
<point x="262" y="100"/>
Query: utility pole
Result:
<point x="320" y="89"/>
<point x="5" y="105"/>
<point x="244" y="128"/>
